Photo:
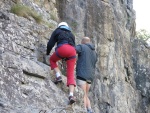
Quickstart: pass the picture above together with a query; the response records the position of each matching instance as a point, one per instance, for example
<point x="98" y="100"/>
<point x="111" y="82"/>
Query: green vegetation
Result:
<point x="74" y="24"/>
<point x="53" y="16"/>
<point x="143" y="34"/>
<point x="25" y="11"/>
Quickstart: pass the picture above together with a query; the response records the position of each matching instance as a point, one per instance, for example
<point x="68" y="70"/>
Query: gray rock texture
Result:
<point x="122" y="80"/>
<point x="141" y="64"/>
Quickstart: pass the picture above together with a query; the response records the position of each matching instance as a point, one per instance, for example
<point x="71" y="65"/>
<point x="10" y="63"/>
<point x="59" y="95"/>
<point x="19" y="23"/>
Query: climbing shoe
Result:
<point x="72" y="99"/>
<point x="58" y="80"/>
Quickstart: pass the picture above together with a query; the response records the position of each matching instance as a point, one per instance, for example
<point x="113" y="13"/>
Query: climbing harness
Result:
<point x="69" y="58"/>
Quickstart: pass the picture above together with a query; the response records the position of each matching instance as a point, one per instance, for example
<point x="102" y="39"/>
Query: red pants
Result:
<point x="65" y="51"/>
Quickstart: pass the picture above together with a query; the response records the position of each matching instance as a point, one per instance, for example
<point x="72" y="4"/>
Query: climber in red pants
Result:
<point x="65" y="50"/>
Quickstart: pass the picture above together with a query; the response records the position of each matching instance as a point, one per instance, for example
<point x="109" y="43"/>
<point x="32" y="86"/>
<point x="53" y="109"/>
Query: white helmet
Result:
<point x="63" y="23"/>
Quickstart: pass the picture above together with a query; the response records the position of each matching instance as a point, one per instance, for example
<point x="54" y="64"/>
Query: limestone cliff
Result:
<point x="26" y="80"/>
<point x="141" y="64"/>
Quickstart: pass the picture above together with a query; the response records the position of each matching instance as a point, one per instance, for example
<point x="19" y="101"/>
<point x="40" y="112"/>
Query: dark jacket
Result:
<point x="86" y="62"/>
<point x="61" y="35"/>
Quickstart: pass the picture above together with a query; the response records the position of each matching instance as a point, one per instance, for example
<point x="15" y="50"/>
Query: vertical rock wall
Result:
<point x="141" y="64"/>
<point x="111" y="25"/>
<point x="26" y="81"/>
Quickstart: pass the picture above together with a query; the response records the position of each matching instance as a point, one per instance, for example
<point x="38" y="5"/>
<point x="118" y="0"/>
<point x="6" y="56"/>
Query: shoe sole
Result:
<point x="56" y="82"/>
<point x="72" y="101"/>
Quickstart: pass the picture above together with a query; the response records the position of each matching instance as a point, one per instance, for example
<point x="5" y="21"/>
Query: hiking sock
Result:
<point x="58" y="74"/>
<point x="71" y="94"/>
<point x="89" y="110"/>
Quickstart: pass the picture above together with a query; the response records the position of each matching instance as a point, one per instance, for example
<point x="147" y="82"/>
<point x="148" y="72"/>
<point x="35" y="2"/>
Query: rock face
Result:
<point x="25" y="81"/>
<point x="141" y="64"/>
<point x="122" y="83"/>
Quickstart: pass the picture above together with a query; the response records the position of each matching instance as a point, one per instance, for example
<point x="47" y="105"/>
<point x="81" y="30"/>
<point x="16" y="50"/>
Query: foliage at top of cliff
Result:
<point x="143" y="34"/>
<point x="25" y="11"/>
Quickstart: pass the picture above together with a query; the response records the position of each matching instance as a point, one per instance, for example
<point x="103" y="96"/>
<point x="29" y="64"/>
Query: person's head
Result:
<point x="85" y="40"/>
<point x="63" y="24"/>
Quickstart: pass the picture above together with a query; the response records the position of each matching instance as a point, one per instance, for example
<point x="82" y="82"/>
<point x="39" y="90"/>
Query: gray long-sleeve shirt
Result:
<point x="86" y="62"/>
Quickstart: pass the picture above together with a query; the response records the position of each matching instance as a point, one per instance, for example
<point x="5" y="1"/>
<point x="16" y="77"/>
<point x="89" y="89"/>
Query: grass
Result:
<point x="53" y="16"/>
<point x="25" y="11"/>
<point x="50" y="25"/>
<point x="74" y="24"/>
